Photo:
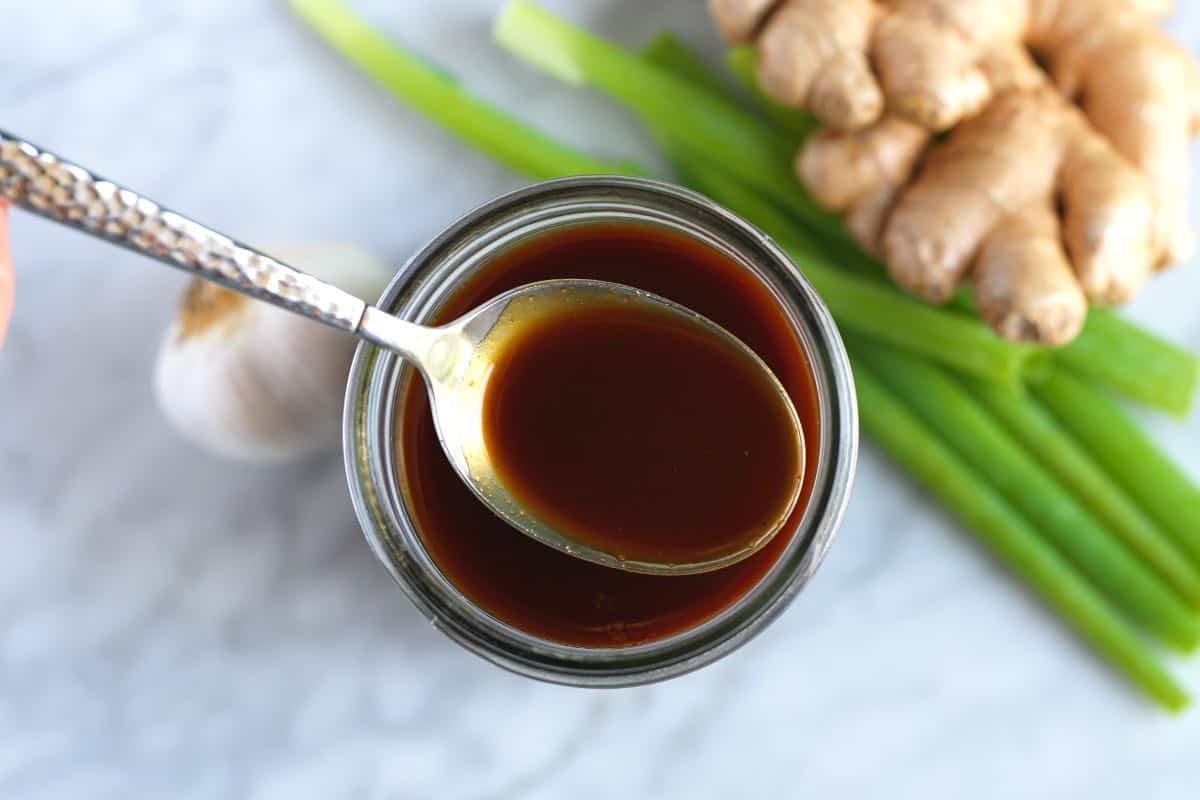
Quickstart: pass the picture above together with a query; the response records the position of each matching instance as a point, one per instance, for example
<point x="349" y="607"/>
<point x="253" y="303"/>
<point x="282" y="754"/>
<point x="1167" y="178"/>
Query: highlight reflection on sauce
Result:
<point x="529" y="585"/>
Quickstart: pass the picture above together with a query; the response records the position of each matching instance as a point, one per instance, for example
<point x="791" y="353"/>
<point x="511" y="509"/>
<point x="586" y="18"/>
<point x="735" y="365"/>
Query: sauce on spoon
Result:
<point x="635" y="432"/>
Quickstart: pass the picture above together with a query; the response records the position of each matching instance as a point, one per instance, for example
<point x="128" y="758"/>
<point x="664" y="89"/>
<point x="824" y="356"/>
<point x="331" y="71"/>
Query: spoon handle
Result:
<point x="44" y="184"/>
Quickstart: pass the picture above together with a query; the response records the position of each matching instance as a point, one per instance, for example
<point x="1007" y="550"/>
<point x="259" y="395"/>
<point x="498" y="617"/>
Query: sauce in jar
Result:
<point x="531" y="586"/>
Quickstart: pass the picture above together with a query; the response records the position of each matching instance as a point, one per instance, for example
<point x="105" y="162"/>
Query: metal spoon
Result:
<point x="455" y="359"/>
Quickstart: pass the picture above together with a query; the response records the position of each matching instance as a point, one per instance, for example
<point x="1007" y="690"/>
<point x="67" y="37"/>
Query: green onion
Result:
<point x="994" y="522"/>
<point x="667" y="51"/>
<point x="982" y="442"/>
<point x="1139" y="365"/>
<point x="1036" y="429"/>
<point x="1106" y="430"/>
<point x="429" y="90"/>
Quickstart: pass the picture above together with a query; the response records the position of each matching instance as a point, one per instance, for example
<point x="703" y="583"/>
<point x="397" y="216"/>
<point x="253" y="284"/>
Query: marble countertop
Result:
<point x="176" y="626"/>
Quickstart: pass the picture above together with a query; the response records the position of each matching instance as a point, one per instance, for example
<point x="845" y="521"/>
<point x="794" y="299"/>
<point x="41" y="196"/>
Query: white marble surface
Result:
<point x="173" y="626"/>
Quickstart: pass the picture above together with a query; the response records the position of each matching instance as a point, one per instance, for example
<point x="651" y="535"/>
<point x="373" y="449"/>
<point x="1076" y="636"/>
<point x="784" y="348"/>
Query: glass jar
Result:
<point x="379" y="380"/>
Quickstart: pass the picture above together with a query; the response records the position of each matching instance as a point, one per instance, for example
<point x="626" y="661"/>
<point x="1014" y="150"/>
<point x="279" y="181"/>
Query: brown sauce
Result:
<point x="631" y="430"/>
<point x="540" y="590"/>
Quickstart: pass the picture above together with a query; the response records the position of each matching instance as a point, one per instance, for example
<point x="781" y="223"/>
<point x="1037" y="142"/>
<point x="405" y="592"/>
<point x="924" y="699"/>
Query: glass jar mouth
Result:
<point x="378" y="382"/>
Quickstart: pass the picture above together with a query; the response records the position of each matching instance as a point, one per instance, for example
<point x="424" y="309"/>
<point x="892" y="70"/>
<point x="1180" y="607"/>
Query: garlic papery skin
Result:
<point x="252" y="382"/>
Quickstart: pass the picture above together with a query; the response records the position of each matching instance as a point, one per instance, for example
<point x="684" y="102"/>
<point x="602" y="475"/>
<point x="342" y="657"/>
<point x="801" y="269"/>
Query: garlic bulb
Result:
<point x="253" y="382"/>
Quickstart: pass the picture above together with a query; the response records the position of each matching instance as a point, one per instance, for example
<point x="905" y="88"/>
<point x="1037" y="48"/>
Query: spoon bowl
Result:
<point x="458" y="361"/>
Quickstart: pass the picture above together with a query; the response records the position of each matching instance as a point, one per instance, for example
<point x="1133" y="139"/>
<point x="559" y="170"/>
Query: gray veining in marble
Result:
<point x="173" y="626"/>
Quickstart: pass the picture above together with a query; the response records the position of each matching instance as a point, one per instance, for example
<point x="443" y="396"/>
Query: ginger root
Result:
<point x="859" y="173"/>
<point x="1024" y="285"/>
<point x="885" y="75"/>
<point x="1139" y="89"/>
<point x="982" y="203"/>
<point x="1026" y="149"/>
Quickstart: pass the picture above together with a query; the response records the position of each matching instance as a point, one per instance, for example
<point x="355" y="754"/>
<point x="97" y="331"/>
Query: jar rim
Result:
<point x="378" y="379"/>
